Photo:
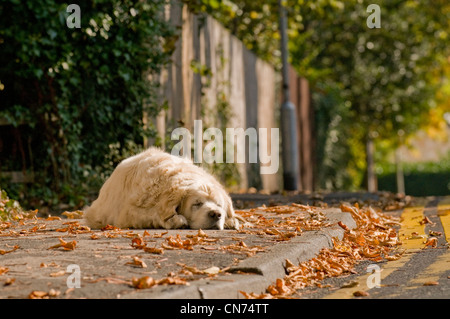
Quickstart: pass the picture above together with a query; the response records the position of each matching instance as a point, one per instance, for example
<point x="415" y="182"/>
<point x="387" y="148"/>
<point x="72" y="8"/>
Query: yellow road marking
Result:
<point x="411" y="231"/>
<point x="433" y="272"/>
<point x="410" y="234"/>
<point x="386" y="270"/>
<point x="444" y="215"/>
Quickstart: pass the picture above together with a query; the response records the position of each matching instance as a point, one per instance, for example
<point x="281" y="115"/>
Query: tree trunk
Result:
<point x="372" y="186"/>
<point x="399" y="172"/>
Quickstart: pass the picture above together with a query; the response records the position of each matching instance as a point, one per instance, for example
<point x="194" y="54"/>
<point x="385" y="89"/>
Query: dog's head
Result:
<point x="206" y="207"/>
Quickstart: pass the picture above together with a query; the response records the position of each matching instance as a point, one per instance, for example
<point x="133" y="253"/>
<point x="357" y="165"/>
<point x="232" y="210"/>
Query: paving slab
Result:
<point x="105" y="262"/>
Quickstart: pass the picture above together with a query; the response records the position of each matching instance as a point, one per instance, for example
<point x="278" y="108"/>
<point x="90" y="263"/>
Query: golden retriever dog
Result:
<point x="154" y="189"/>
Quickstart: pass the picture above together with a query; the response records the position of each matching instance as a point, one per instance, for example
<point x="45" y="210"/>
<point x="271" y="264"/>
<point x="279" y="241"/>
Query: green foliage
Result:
<point x="334" y="159"/>
<point x="11" y="210"/>
<point x="82" y="91"/>
<point x="383" y="76"/>
<point x="421" y="178"/>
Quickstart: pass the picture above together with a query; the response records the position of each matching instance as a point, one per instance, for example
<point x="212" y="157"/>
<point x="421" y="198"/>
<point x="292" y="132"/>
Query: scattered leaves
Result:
<point x="148" y="282"/>
<point x="373" y="239"/>
<point x="78" y="214"/>
<point x="37" y="294"/>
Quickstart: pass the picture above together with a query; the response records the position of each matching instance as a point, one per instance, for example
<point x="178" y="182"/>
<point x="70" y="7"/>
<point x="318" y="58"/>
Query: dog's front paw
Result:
<point x="232" y="223"/>
<point x="176" y="222"/>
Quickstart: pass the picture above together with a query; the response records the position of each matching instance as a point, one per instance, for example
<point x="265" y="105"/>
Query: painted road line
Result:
<point x="412" y="232"/>
<point x="444" y="215"/>
<point x="362" y="284"/>
<point x="433" y="272"/>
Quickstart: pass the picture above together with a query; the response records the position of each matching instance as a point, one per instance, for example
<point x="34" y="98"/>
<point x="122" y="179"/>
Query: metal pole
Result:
<point x="288" y="118"/>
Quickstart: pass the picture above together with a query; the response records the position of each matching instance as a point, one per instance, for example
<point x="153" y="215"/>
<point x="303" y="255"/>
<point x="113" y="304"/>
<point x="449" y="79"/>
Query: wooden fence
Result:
<point x="215" y="79"/>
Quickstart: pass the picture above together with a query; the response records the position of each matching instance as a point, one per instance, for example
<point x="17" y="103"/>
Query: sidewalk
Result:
<point x="185" y="263"/>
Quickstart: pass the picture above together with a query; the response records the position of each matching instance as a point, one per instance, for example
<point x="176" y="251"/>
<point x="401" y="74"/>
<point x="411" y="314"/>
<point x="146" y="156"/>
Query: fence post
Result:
<point x="288" y="115"/>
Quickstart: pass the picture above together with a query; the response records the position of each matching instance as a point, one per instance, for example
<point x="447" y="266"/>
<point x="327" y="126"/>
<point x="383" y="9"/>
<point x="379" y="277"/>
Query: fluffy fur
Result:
<point x="154" y="189"/>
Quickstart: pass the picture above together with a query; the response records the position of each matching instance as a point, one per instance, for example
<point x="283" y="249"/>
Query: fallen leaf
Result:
<point x="37" y="294"/>
<point x="78" y="214"/>
<point x="394" y="257"/>
<point x="95" y="236"/>
<point x="65" y="245"/>
<point x="425" y="220"/>
<point x="50" y="218"/>
<point x="9" y="281"/>
<point x="432" y="241"/>
<point x="3" y="270"/>
<point x="137" y="262"/>
<point x="110" y="227"/>
<point x="435" y="233"/>
<point x="360" y="293"/>
<point x="172" y="281"/>
<point x="138" y="243"/>
<point x="53" y="293"/>
<point x="143" y="282"/>
<point x="58" y="273"/>
<point x="431" y="283"/>
<point x="343" y="226"/>
<point x="154" y="250"/>
<point x="2" y="252"/>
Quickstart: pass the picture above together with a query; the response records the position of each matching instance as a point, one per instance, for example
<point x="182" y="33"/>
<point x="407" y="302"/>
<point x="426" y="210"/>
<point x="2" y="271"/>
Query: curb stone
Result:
<point x="258" y="272"/>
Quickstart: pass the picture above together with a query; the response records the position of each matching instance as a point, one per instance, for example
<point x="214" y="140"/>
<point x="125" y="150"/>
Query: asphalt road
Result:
<point x="422" y="272"/>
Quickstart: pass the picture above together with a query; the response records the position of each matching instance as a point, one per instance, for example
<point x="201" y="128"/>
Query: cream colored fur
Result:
<point x="154" y="189"/>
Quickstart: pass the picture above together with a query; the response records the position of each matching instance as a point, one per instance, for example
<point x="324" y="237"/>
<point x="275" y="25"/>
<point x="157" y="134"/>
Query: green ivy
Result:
<point x="82" y="91"/>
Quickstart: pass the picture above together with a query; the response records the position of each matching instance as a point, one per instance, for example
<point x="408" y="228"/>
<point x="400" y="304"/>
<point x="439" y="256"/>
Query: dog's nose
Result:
<point x="214" y="214"/>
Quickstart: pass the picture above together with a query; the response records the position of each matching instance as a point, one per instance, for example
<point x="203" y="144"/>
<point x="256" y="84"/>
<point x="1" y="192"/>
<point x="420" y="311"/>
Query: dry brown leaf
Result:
<point x="3" y="270"/>
<point x="137" y="262"/>
<point x="50" y="218"/>
<point x="138" y="243"/>
<point x="392" y="258"/>
<point x="110" y="227"/>
<point x="143" y="282"/>
<point x="37" y="294"/>
<point x="360" y="293"/>
<point x="425" y="220"/>
<point x="172" y="281"/>
<point x="58" y="273"/>
<point x="2" y="252"/>
<point x="432" y="242"/>
<point x="431" y="283"/>
<point x="9" y="281"/>
<point x="154" y="250"/>
<point x="343" y="226"/>
<point x="95" y="236"/>
<point x="65" y="245"/>
<point x="78" y="214"/>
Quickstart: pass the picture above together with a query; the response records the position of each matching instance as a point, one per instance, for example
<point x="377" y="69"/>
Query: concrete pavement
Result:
<point x="63" y="259"/>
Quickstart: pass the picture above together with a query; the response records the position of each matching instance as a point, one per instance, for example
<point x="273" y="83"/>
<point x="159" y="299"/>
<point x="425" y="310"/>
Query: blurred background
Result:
<point x="372" y="104"/>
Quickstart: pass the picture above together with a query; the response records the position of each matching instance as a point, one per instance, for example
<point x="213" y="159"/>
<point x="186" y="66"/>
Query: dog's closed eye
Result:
<point x="197" y="204"/>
